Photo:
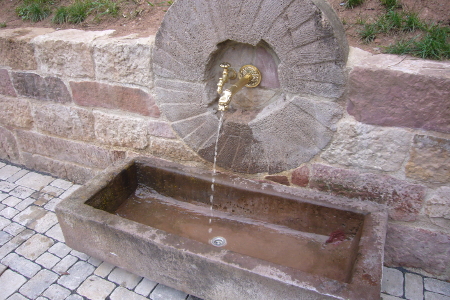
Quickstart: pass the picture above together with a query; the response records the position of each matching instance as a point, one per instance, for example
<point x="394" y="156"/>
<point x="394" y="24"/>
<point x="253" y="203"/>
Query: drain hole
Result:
<point x="218" y="241"/>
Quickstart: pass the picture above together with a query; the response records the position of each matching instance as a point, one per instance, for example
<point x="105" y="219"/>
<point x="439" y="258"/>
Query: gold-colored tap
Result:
<point x="227" y="73"/>
<point x="249" y="76"/>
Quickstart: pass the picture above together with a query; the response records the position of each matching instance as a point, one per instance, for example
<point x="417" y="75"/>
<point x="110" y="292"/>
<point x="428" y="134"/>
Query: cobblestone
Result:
<point x="145" y="287"/>
<point x="38" y="283"/>
<point x="162" y="292"/>
<point x="96" y="288"/>
<point x="56" y="292"/>
<point x="10" y="282"/>
<point x="21" y="265"/>
<point x="413" y="286"/>
<point x="124" y="278"/>
<point x="437" y="286"/>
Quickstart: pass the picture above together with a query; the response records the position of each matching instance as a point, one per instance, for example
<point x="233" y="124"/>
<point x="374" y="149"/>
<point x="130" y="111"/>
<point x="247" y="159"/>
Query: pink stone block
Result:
<point x="6" y="87"/>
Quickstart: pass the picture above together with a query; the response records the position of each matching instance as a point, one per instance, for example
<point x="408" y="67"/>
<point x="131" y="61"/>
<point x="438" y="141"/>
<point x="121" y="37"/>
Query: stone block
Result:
<point x="413" y="286"/>
<point x="120" y="130"/>
<point x="8" y="146"/>
<point x="35" y="181"/>
<point x="56" y="292"/>
<point x="125" y="60"/>
<point x="161" y="129"/>
<point x="16" y="51"/>
<point x="369" y="147"/>
<point x="71" y="171"/>
<point x="34" y="246"/>
<point x="437" y="286"/>
<point x="172" y="149"/>
<point x="15" y="112"/>
<point x="96" y="288"/>
<point x="403" y="199"/>
<point x="145" y="287"/>
<point x="64" y="121"/>
<point x="278" y="179"/>
<point x="67" y="151"/>
<point x="438" y="206"/>
<point x="124" y="278"/>
<point x="418" y="247"/>
<point x="6" y="87"/>
<point x="77" y="274"/>
<point x="399" y="99"/>
<point x="39" y="283"/>
<point x="392" y="282"/>
<point x="41" y="88"/>
<point x="67" y="53"/>
<point x="429" y="159"/>
<point x="94" y="94"/>
<point x="122" y="293"/>
<point x="10" y="282"/>
<point x="163" y="292"/>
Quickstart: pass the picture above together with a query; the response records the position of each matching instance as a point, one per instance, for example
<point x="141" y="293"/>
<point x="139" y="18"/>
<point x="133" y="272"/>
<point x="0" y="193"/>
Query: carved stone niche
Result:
<point x="300" y="48"/>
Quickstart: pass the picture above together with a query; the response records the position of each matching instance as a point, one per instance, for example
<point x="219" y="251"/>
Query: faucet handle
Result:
<point x="227" y="73"/>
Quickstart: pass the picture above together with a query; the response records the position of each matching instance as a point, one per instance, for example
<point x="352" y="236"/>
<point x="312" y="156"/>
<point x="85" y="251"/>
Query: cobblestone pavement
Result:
<point x="35" y="263"/>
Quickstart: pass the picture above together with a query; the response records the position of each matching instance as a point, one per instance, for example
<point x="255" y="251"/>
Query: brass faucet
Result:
<point x="249" y="76"/>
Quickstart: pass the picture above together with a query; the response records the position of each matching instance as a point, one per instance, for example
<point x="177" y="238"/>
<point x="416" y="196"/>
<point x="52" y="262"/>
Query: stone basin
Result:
<point x="154" y="218"/>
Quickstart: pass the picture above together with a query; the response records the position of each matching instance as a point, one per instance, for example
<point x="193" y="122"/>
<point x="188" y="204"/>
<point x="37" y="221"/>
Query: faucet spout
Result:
<point x="249" y="76"/>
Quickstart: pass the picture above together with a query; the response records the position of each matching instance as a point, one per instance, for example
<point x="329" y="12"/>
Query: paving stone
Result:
<point x="41" y="198"/>
<point x="435" y="296"/>
<point x="56" y="292"/>
<point x="122" y="293"/>
<point x="61" y="183"/>
<point x="74" y="297"/>
<point x="35" y="246"/>
<point x="56" y="233"/>
<point x="413" y="286"/>
<point x="44" y="223"/>
<point x="24" y="204"/>
<point x="2" y="164"/>
<point x="14" y="228"/>
<point x="17" y="296"/>
<point x="392" y="282"/>
<point x="60" y="249"/>
<point x="21" y="192"/>
<point x="145" y="287"/>
<point x="10" y="282"/>
<point x="77" y="274"/>
<point x="96" y="288"/>
<point x="29" y="215"/>
<point x="35" y="181"/>
<point x="389" y="297"/>
<point x="80" y="255"/>
<point x="52" y="204"/>
<point x="39" y="283"/>
<point x="437" y="286"/>
<point x="94" y="261"/>
<point x="104" y="269"/>
<point x="48" y="260"/>
<point x="7" y="186"/>
<point x="2" y="268"/>
<point x="2" y="206"/>
<point x="11" y="201"/>
<point x="15" y="242"/>
<point x="69" y="191"/>
<point x="8" y="171"/>
<point x="17" y="176"/>
<point x="9" y="212"/>
<point x="124" y="278"/>
<point x="3" y="196"/>
<point x="191" y="297"/>
<point x="4" y="222"/>
<point x="53" y="191"/>
<point x="65" y="264"/>
<point x="162" y="292"/>
<point x="4" y="237"/>
<point x="21" y="265"/>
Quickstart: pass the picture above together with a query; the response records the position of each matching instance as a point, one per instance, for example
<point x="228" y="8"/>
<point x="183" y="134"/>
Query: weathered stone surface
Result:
<point x="6" y="87"/>
<point x="172" y="149"/>
<point x="65" y="150"/>
<point x="119" y="130"/>
<point x="300" y="176"/>
<point x="278" y="179"/>
<point x="65" y="121"/>
<point x="41" y="88"/>
<point x="8" y="146"/>
<point x="403" y="199"/>
<point x="438" y="206"/>
<point x="16" y="50"/>
<point x="67" y="52"/>
<point x="63" y="169"/>
<point x="400" y="99"/>
<point x="161" y="129"/>
<point x="96" y="94"/>
<point x="429" y="159"/>
<point x="126" y="60"/>
<point x="365" y="146"/>
<point x="416" y="247"/>
<point x="15" y="112"/>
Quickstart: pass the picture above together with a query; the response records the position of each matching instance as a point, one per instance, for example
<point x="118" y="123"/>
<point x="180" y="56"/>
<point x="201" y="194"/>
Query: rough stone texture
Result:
<point x="172" y="149"/>
<point x="438" y="206"/>
<point x="67" y="52"/>
<point x="403" y="199"/>
<point x="278" y="179"/>
<point x="15" y="49"/>
<point x="8" y="146"/>
<point x="437" y="286"/>
<point x="119" y="130"/>
<point x="365" y="146"/>
<point x="95" y="288"/>
<point x="392" y="282"/>
<point x="416" y="247"/>
<point x="96" y="94"/>
<point x="161" y="129"/>
<point x="6" y="87"/>
<point x="10" y="282"/>
<point x="65" y="150"/>
<point x="399" y="99"/>
<point x="39" y="283"/>
<point x="64" y="121"/>
<point x="41" y="88"/>
<point x="125" y="59"/>
<point x="76" y="275"/>
<point x="429" y="159"/>
<point x="71" y="171"/>
<point x="413" y="286"/>
<point x="15" y="112"/>
<point x="304" y="38"/>
<point x="34" y="246"/>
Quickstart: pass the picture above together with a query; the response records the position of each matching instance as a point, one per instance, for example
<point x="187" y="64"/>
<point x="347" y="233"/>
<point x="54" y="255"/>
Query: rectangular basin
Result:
<point x="240" y="239"/>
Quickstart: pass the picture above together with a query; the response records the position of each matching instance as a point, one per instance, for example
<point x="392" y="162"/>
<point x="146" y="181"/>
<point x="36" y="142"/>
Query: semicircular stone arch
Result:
<point x="300" y="48"/>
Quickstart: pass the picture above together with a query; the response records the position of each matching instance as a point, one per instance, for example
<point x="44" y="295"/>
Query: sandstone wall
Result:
<point x="74" y="102"/>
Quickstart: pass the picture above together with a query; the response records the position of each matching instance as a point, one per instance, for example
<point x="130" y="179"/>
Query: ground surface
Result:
<point x="138" y="16"/>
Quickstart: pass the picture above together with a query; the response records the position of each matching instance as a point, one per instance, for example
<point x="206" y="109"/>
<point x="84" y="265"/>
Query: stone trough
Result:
<point x="153" y="218"/>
